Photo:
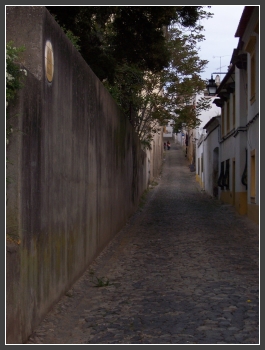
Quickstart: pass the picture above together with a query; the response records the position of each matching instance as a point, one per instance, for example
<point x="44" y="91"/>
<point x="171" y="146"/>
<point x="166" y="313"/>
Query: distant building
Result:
<point x="168" y="130"/>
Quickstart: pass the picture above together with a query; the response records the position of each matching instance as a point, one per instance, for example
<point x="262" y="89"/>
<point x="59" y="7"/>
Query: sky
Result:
<point x="220" y="41"/>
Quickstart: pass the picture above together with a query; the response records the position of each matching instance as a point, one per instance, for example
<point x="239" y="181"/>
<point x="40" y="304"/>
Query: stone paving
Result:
<point x="184" y="270"/>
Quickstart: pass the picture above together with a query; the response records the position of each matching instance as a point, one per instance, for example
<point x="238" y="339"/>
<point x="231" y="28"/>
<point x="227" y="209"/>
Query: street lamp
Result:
<point x="211" y="87"/>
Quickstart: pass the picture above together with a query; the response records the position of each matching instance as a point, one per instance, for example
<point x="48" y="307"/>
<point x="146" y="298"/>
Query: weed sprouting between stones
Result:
<point x="99" y="281"/>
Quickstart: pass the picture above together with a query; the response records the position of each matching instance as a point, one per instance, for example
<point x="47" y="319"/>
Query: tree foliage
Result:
<point x="13" y="71"/>
<point x="14" y="79"/>
<point x="146" y="56"/>
<point x="110" y="35"/>
<point x="151" y="99"/>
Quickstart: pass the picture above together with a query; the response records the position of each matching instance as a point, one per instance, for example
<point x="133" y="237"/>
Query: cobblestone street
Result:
<point x="184" y="270"/>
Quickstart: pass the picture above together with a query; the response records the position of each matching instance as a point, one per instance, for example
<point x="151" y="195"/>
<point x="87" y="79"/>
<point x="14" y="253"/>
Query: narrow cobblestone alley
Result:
<point x="184" y="270"/>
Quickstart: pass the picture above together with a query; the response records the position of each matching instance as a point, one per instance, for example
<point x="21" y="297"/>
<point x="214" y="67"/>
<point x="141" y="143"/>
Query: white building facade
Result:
<point x="231" y="143"/>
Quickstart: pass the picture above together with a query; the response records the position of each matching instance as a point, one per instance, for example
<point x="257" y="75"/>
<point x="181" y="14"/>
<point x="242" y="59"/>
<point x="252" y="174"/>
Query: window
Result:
<point x="221" y="176"/>
<point x="227" y="175"/>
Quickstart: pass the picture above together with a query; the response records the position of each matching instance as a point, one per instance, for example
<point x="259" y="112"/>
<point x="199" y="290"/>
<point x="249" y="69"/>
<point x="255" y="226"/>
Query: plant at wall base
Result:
<point x="143" y="198"/>
<point x="14" y="74"/>
<point x="101" y="282"/>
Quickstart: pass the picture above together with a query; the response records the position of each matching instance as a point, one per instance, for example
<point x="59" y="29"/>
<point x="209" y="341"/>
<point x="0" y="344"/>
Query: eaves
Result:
<point x="244" y="21"/>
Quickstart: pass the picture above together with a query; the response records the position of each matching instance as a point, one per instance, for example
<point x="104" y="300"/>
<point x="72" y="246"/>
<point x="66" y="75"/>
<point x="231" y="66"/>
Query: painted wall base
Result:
<point x="241" y="203"/>
<point x="253" y="212"/>
<point x="199" y="180"/>
<point x="226" y="197"/>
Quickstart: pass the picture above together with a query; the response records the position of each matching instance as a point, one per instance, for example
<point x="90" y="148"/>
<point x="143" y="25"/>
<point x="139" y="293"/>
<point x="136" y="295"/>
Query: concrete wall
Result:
<point x="154" y="157"/>
<point x="77" y="172"/>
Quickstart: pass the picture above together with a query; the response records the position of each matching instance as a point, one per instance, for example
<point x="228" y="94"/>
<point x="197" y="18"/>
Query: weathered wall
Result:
<point x="77" y="172"/>
<point x="154" y="158"/>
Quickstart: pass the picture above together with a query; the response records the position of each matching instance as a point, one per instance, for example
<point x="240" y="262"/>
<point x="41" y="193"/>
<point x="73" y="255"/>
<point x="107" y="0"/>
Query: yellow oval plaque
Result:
<point x="49" y="61"/>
